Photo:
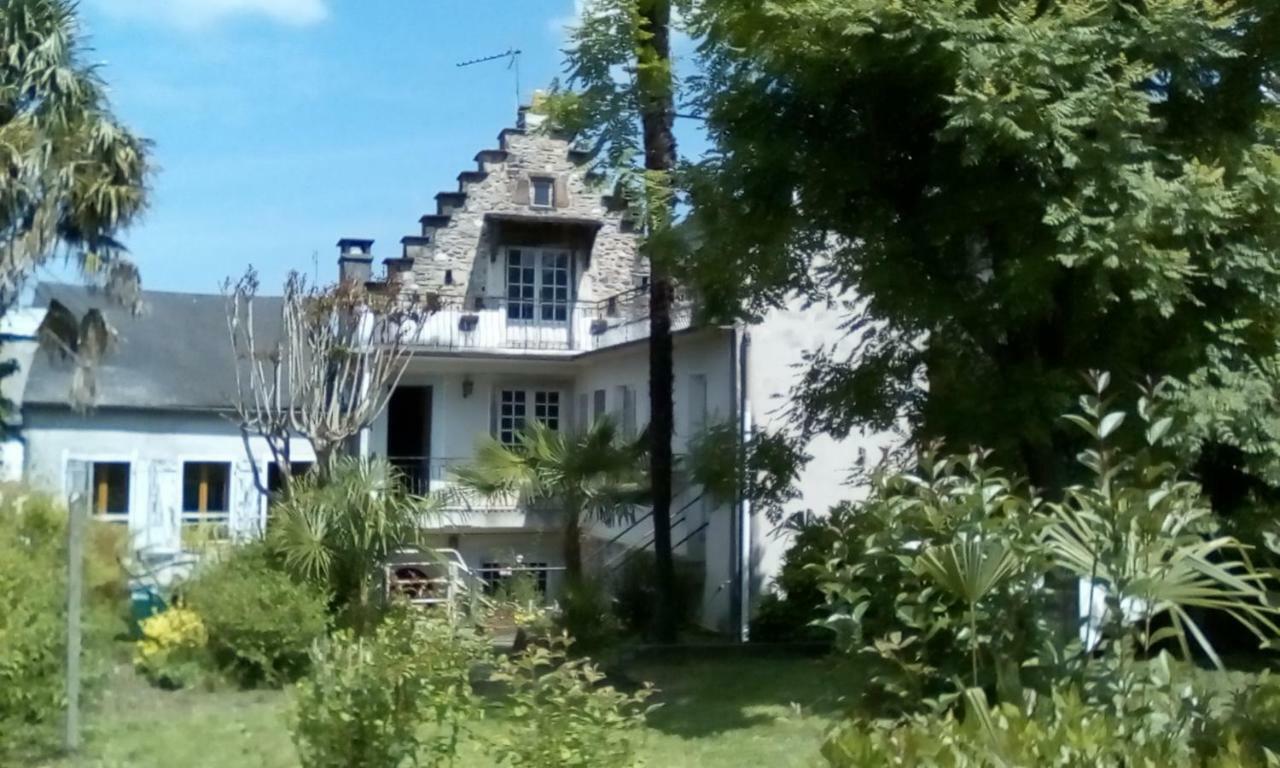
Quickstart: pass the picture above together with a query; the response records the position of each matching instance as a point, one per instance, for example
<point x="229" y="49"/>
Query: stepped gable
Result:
<point x="459" y="250"/>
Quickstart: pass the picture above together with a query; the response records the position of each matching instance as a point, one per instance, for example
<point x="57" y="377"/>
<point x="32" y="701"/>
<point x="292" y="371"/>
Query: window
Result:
<point x="554" y="286"/>
<point x="513" y="411"/>
<point x="511" y="415"/>
<point x="538" y="284"/>
<point x="697" y="403"/>
<point x="546" y="409"/>
<point x="275" y="477"/>
<point x="206" y="487"/>
<point x="628" y="412"/>
<point x="521" y="284"/>
<point x="111" y="489"/>
<point x="581" y="417"/>
<point x="597" y="404"/>
<point x="543" y="192"/>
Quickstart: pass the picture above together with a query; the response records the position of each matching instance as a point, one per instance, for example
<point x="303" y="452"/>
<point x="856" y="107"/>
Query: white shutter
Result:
<point x="164" y="510"/>
<point x="246" y="505"/>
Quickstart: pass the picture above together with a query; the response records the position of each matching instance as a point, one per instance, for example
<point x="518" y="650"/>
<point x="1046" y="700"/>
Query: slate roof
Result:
<point x="174" y="355"/>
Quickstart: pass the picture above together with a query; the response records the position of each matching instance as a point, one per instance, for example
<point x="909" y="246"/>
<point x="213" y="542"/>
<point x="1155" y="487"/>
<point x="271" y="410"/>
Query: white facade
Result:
<point x="157" y="447"/>
<point x="777" y="347"/>
<point x="465" y="404"/>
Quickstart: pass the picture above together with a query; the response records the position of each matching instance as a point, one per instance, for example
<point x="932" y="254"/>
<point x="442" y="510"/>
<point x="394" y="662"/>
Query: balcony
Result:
<point x="422" y="474"/>
<point x="459" y="508"/>
<point x="542" y="327"/>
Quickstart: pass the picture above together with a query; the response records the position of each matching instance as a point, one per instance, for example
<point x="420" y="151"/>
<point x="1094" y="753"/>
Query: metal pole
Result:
<point x="744" y="528"/>
<point x="77" y="515"/>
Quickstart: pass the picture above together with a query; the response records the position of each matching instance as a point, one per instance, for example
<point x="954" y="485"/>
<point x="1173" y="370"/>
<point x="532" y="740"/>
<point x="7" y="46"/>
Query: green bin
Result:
<point x="144" y="602"/>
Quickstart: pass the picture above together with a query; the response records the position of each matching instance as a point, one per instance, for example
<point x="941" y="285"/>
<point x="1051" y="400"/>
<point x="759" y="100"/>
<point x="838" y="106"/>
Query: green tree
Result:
<point x="1016" y="192"/>
<point x="337" y="530"/>
<point x="622" y="103"/>
<point x="71" y="175"/>
<point x="589" y="475"/>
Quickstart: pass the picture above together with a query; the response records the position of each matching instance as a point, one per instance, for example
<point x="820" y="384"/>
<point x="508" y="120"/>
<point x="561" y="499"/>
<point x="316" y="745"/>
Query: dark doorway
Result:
<point x="409" y="436"/>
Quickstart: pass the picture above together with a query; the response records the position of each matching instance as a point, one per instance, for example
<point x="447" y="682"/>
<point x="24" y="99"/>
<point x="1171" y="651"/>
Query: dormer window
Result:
<point x="543" y="192"/>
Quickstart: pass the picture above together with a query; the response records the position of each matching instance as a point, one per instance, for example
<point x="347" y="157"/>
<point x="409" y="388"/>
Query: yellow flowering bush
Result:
<point x="171" y="647"/>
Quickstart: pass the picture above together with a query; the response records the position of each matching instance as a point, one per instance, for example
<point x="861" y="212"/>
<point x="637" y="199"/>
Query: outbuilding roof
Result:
<point x="174" y="354"/>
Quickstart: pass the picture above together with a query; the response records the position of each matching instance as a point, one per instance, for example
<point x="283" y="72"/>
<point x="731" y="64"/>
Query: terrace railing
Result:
<point x="541" y="326"/>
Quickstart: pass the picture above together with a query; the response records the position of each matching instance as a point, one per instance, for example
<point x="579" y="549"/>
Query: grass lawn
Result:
<point x="716" y="711"/>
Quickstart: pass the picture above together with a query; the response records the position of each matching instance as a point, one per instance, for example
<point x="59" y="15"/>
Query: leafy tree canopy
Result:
<point x="1017" y="191"/>
<point x="71" y="174"/>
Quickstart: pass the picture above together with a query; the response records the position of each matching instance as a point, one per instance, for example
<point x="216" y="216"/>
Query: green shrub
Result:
<point x="172" y="652"/>
<point x="261" y="624"/>
<point x="399" y="696"/>
<point x="560" y="716"/>
<point x="635" y="593"/>
<point x="33" y="598"/>
<point x="1159" y="723"/>
<point x="586" y="614"/>
<point x="337" y="531"/>
<point x="789" y="613"/>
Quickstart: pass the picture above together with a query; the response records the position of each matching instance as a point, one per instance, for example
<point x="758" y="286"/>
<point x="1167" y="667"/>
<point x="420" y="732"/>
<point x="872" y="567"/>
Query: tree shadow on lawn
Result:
<point x="703" y="694"/>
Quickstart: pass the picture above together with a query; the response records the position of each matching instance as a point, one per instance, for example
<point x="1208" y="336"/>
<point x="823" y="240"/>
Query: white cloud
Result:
<point x="202" y="13"/>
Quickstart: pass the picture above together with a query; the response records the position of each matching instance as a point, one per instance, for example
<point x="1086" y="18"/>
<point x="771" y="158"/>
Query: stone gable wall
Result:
<point x="457" y="257"/>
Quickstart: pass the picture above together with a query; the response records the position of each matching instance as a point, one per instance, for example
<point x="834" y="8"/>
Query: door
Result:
<point x="539" y="298"/>
<point x="409" y="436"/>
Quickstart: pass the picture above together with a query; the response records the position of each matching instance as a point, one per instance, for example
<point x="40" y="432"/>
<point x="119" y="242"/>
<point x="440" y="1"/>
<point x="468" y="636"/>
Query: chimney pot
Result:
<point x="355" y="260"/>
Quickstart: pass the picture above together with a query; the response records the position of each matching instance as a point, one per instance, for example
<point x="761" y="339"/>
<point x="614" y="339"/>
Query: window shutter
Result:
<point x="521" y="196"/>
<point x="493" y="412"/>
<point x="561" y="195"/>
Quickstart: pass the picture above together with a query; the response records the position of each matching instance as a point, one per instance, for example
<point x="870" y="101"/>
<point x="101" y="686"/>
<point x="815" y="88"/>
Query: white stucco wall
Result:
<point x="778" y="345"/>
<point x="155" y="443"/>
<point x="707" y="353"/>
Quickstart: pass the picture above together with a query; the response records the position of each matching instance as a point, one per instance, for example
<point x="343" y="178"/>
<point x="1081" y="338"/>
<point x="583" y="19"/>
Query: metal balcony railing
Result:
<point x="422" y="474"/>
<point x="536" y="325"/>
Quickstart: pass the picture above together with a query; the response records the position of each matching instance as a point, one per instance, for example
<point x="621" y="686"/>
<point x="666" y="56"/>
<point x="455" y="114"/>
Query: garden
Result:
<point x="946" y="599"/>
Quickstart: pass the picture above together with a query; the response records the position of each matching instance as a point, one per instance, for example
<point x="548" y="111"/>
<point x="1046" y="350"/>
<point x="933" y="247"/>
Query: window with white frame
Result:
<point x="542" y="192"/>
<point x="206" y="502"/>
<point x="512" y="412"/>
<point x="275" y="476"/>
<point x="546" y="408"/>
<point x="538" y="282"/>
<point x="206" y="488"/>
<point x="111" y="490"/>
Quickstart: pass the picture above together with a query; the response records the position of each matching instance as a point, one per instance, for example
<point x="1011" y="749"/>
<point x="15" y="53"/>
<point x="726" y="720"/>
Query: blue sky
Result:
<point x="282" y="125"/>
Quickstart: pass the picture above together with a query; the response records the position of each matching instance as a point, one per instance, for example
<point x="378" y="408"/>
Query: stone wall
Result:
<point x="458" y="253"/>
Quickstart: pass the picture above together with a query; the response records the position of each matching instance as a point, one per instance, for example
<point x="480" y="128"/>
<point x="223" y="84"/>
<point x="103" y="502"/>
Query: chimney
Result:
<point x="355" y="260"/>
<point x="534" y="114"/>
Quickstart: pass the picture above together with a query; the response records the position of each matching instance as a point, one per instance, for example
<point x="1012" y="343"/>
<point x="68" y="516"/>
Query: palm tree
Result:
<point x="337" y="529"/>
<point x="588" y="475"/>
<point x="70" y="174"/>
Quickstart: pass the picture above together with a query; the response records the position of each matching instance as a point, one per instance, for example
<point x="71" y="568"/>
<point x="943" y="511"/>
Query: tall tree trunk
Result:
<point x="657" y="115"/>
<point x="572" y="546"/>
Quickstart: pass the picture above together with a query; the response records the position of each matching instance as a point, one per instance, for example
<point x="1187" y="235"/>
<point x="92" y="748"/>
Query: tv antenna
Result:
<point x="512" y="55"/>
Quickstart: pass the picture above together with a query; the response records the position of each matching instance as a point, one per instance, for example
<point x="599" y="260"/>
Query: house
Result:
<point x="165" y="456"/>
<point x="539" y="311"/>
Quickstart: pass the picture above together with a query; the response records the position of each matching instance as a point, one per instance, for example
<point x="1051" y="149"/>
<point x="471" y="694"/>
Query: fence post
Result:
<point x="78" y="505"/>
